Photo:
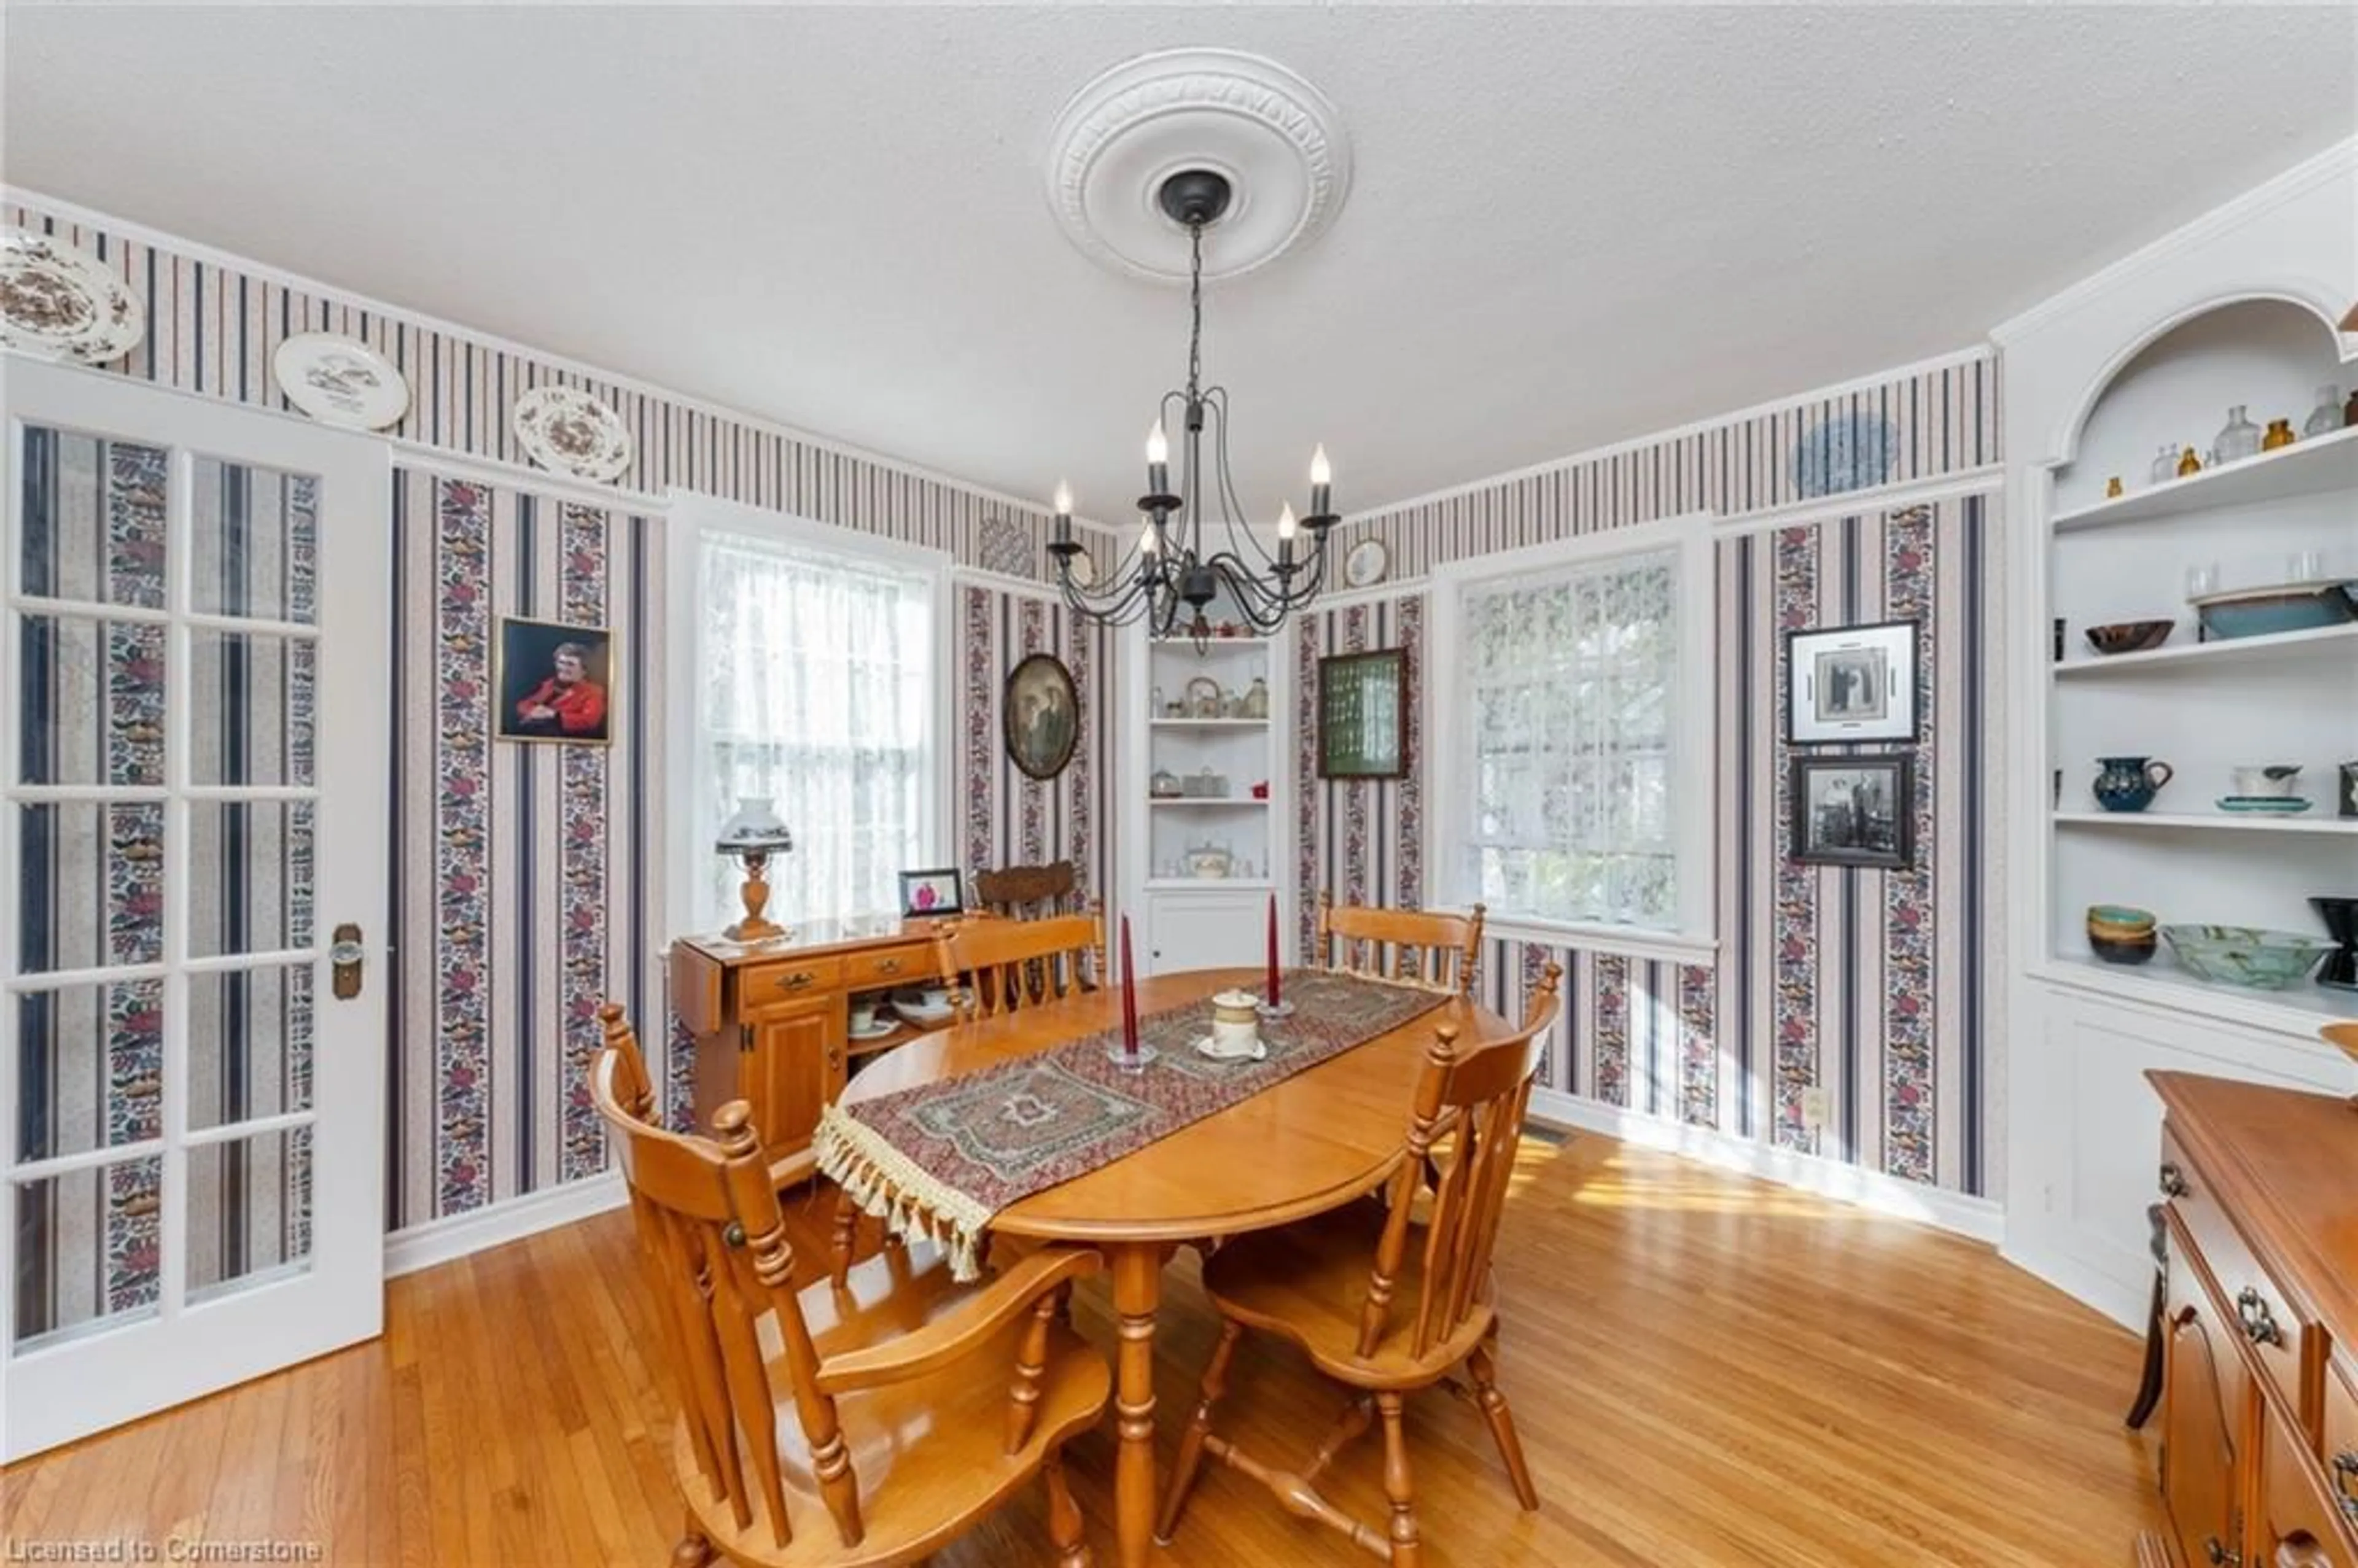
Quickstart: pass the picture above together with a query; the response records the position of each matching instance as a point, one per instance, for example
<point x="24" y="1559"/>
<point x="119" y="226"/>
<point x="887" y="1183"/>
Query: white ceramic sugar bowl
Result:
<point x="1236" y="1024"/>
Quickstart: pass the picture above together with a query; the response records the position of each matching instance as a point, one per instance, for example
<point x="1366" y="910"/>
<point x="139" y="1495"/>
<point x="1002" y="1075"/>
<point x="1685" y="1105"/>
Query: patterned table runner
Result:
<point x="935" y="1161"/>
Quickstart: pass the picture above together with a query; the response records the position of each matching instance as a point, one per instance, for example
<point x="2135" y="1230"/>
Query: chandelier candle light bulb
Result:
<point x="1322" y="478"/>
<point x="1158" y="460"/>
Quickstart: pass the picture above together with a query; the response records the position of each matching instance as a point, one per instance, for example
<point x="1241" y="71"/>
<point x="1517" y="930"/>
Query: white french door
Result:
<point x="192" y="860"/>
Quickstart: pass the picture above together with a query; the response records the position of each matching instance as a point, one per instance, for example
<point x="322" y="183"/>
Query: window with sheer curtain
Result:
<point x="1568" y="686"/>
<point x="814" y="690"/>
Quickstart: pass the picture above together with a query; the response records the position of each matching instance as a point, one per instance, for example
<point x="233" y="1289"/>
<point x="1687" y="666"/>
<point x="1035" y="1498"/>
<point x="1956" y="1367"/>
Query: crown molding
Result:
<point x="2339" y="161"/>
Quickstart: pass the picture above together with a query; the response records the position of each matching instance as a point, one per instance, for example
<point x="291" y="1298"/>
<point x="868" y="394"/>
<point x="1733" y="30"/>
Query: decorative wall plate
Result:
<point x="566" y="430"/>
<point x="1083" y="569"/>
<point x="340" y="380"/>
<point x="1847" y="451"/>
<point x="62" y="303"/>
<point x="1366" y="563"/>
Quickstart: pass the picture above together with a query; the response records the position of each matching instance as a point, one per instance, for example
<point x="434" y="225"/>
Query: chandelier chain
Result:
<point x="1195" y="309"/>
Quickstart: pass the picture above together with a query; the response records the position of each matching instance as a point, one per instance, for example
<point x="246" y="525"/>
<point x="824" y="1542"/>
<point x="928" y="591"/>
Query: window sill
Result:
<point x="1666" y="947"/>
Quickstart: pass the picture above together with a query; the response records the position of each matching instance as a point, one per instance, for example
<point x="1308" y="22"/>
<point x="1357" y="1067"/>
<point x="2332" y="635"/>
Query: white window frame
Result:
<point x="1694" y="741"/>
<point x="689" y="518"/>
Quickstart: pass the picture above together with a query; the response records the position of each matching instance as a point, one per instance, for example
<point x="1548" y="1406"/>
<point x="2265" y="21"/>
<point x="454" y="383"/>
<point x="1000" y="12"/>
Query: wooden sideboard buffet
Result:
<point x="2259" y="1435"/>
<point x="772" y="1019"/>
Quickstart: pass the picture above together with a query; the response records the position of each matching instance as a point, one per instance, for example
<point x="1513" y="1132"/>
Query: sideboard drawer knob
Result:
<point x="2260" y="1324"/>
<point x="2173" y="1180"/>
<point x="888" y="966"/>
<point x="2346" y="1482"/>
<point x="2215" y="1552"/>
<point x="799" y="980"/>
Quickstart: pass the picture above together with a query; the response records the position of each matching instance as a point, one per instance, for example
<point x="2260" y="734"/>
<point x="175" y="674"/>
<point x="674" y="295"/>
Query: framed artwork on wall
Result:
<point x="1854" y="810"/>
<point x="1851" y="682"/>
<point x="1041" y="716"/>
<point x="554" y="682"/>
<point x="1363" y="715"/>
<point x="931" y="892"/>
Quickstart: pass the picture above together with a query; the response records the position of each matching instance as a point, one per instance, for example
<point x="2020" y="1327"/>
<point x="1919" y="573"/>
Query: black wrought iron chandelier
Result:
<point x="1169" y="577"/>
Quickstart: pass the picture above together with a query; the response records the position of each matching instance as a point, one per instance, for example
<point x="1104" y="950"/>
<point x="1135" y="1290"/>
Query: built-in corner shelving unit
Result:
<point x="1206" y="789"/>
<point x="2205" y="707"/>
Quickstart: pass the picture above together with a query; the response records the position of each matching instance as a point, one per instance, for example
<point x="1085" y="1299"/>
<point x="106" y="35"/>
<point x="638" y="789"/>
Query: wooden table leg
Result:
<point x="1137" y="1291"/>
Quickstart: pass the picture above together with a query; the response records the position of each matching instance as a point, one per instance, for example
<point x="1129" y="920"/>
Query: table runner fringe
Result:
<point x="914" y="1204"/>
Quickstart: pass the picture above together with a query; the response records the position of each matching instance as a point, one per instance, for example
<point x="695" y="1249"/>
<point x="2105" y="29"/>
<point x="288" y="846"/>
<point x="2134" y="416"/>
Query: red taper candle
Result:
<point x="1273" y="997"/>
<point x="1128" y="996"/>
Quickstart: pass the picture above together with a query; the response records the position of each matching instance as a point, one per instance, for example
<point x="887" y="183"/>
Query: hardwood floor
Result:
<point x="1706" y="1370"/>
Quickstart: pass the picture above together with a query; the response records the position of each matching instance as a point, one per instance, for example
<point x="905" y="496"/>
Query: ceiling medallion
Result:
<point x="1275" y="138"/>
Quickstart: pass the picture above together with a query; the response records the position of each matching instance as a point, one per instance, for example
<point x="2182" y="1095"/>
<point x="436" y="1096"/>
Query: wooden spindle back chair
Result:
<point x="1412" y="946"/>
<point x="1381" y="1300"/>
<point x="990" y="1377"/>
<point x="1029" y="892"/>
<point x="1001" y="966"/>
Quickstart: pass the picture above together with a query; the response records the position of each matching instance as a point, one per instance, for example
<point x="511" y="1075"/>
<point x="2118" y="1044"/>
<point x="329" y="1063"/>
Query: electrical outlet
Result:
<point x="1813" y="1106"/>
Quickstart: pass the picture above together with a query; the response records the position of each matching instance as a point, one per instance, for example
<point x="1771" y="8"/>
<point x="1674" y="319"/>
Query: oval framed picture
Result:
<point x="1041" y="716"/>
<point x="1366" y="565"/>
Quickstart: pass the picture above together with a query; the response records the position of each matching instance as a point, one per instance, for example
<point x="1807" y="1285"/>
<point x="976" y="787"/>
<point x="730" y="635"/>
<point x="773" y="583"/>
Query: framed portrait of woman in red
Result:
<point x="556" y="682"/>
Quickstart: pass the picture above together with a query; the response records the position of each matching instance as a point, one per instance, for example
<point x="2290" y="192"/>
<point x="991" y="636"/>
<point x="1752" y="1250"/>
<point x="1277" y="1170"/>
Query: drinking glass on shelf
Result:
<point x="2201" y="580"/>
<point x="2305" y="566"/>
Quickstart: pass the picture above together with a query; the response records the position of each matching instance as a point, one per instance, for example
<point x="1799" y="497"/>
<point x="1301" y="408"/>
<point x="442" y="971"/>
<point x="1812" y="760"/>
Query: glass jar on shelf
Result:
<point x="2326" y="417"/>
<point x="2165" y="465"/>
<point x="2238" y="438"/>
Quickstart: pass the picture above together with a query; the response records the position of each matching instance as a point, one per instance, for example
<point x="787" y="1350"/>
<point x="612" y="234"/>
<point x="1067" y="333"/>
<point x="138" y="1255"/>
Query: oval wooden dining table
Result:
<point x="1301" y="1146"/>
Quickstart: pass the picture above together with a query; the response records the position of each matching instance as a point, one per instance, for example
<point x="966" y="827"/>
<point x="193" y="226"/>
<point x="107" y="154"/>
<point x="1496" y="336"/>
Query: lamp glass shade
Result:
<point x="753" y="829"/>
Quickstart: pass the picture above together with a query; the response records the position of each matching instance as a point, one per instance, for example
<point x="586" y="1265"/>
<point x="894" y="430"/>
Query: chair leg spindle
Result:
<point x="1064" y="1514"/>
<point x="846" y="1238"/>
<point x="1191" y="1444"/>
<point x="1485" y="1373"/>
<point x="694" y="1549"/>
<point x="1397" y="1487"/>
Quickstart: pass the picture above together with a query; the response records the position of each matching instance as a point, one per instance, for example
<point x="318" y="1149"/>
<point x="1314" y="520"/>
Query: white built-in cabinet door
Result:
<point x="1206" y="931"/>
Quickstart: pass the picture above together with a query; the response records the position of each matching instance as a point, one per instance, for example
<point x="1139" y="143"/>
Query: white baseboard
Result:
<point x="2125" y="1304"/>
<point x="455" y="1236"/>
<point x="1980" y="1218"/>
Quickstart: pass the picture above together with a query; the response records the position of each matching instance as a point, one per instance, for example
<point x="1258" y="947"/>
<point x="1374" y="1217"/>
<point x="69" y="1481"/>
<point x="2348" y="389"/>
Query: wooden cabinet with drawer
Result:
<point x="2259" y="1437"/>
<point x="770" y="1023"/>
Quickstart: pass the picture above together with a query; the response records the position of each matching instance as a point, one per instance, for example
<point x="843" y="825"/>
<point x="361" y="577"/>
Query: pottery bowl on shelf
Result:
<point x="2266" y="612"/>
<point x="2245" y="955"/>
<point x="2118" y="934"/>
<point x="2129" y="636"/>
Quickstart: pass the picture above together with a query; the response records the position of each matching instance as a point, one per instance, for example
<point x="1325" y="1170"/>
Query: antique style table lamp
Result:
<point x="752" y="835"/>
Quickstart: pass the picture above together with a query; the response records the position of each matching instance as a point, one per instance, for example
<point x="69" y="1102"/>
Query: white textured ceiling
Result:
<point x="1566" y="226"/>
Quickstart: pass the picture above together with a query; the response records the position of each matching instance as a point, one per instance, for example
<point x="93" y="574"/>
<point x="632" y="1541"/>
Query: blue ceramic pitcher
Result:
<point x="2129" y="783"/>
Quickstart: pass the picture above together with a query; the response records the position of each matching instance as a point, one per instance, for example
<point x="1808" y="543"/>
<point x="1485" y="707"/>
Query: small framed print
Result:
<point x="1363" y="715"/>
<point x="1851" y="683"/>
<point x="554" y="682"/>
<point x="925" y="894"/>
<point x="1854" y="810"/>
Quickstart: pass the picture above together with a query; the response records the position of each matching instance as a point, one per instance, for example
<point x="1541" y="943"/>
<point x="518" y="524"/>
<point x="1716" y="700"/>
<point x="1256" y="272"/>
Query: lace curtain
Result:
<point x="1570" y="683"/>
<point x="814" y="695"/>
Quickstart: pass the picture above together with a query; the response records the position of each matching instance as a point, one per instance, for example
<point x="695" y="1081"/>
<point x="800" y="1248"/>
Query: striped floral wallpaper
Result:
<point x="1873" y="987"/>
<point x="527" y="879"/>
<point x="1918" y="426"/>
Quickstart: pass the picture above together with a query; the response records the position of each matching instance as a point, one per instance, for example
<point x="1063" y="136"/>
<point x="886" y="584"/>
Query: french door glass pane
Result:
<point x="89" y="701"/>
<point x="252" y="698"/>
<point x="90" y="1064"/>
<point x="87" y="1245"/>
<point x="249" y="1207"/>
<point x="94" y="520"/>
<point x="249" y="876"/>
<point x="90" y="884"/>
<point x="254" y="552"/>
<point x="249" y="1044"/>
